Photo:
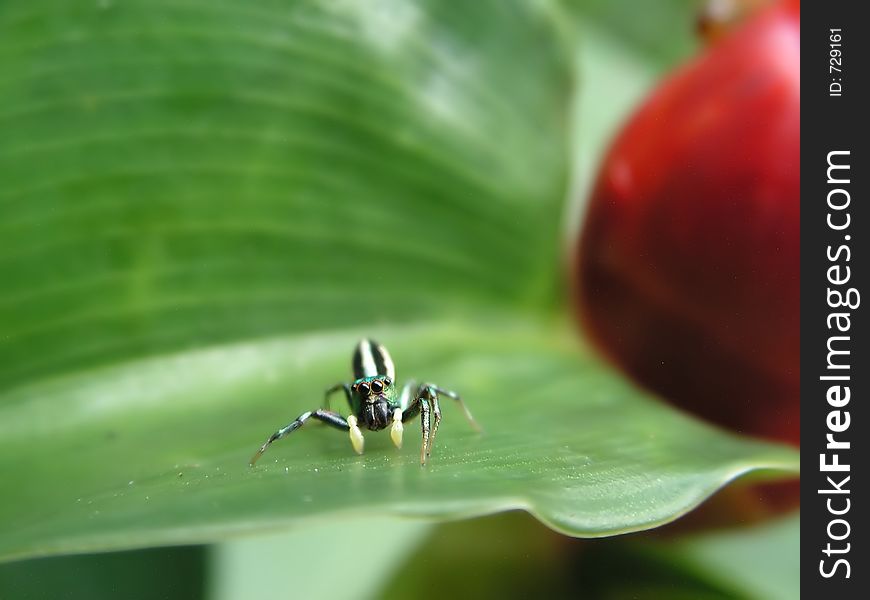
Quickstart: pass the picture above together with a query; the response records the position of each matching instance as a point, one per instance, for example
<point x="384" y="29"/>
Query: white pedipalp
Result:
<point x="356" y="437"/>
<point x="397" y="428"/>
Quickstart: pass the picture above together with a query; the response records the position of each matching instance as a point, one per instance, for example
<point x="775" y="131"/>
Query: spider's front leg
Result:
<point x="429" y="397"/>
<point x="424" y="406"/>
<point x="411" y="404"/>
<point x="435" y="390"/>
<point x="327" y="416"/>
<point x="424" y="401"/>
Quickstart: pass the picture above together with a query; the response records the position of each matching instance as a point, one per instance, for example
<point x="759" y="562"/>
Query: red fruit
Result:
<point x="688" y="263"/>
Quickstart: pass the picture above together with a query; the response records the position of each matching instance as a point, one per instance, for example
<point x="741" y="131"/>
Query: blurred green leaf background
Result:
<point x="204" y="205"/>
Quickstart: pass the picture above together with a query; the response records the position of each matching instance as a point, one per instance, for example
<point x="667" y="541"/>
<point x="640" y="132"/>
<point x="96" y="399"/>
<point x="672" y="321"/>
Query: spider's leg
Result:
<point x="330" y="418"/>
<point x="430" y="392"/>
<point x="425" y="424"/>
<point x="421" y="404"/>
<point x="413" y="402"/>
<point x="453" y="395"/>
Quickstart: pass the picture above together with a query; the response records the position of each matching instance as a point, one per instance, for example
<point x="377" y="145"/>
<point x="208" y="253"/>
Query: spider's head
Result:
<point x="375" y="394"/>
<point x="374" y="389"/>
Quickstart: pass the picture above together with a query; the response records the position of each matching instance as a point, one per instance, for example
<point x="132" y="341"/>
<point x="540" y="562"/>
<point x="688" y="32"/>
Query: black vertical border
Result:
<point x="833" y="123"/>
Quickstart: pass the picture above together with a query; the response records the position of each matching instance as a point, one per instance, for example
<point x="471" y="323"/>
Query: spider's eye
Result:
<point x="377" y="386"/>
<point x="387" y="382"/>
<point x="363" y="389"/>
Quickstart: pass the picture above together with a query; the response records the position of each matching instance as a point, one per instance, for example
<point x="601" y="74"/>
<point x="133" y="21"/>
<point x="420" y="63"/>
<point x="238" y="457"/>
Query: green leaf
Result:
<point x="205" y="205"/>
<point x="156" y="452"/>
<point x="658" y="34"/>
<point x="186" y="174"/>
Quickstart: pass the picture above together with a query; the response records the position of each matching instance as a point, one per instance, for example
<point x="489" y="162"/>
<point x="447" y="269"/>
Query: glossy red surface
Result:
<point x="687" y="269"/>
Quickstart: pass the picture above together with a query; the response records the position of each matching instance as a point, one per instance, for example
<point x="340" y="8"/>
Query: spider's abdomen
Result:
<point x="370" y="359"/>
